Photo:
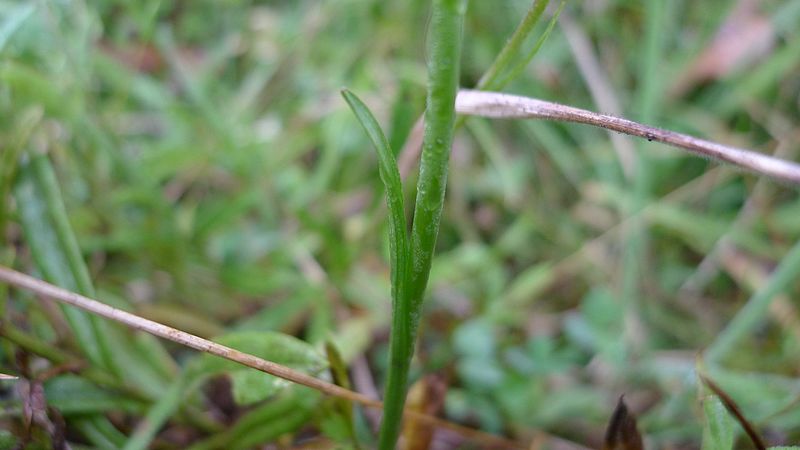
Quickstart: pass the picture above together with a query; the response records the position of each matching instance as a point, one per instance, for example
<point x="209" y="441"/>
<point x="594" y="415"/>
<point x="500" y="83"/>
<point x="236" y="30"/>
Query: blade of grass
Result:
<point x="718" y="426"/>
<point x="265" y="423"/>
<point x="157" y="415"/>
<point x="501" y="63"/>
<point x="517" y="70"/>
<point x="46" y="228"/>
<point x="13" y="21"/>
<point x="401" y="340"/>
<point x="58" y="357"/>
<point x="387" y="167"/>
<point x="57" y="254"/>
<point x="25" y="126"/>
<point x="755" y="310"/>
<point x="338" y="371"/>
<point x="637" y="239"/>
<point x="55" y="250"/>
<point x="445" y="33"/>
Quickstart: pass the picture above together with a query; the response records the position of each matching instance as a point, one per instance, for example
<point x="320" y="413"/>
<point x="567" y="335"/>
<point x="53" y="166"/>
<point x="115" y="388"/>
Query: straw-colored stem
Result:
<point x="497" y="105"/>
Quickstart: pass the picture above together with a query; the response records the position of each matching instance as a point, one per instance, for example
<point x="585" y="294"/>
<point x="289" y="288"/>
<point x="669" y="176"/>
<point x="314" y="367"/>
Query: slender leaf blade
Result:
<point x="390" y="176"/>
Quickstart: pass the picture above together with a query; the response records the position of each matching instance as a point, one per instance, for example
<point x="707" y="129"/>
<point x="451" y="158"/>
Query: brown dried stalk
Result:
<point x="52" y="292"/>
<point x="497" y="105"/>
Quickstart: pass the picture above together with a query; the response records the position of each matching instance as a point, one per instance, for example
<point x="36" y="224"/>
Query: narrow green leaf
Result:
<point x="718" y="427"/>
<point x="158" y="414"/>
<point x="250" y="385"/>
<point x="515" y="71"/>
<point x="500" y="65"/>
<point x="387" y="167"/>
<point x="757" y="306"/>
<point x="13" y="21"/>
<point x="37" y="203"/>
<point x="56" y="252"/>
<point x="75" y="395"/>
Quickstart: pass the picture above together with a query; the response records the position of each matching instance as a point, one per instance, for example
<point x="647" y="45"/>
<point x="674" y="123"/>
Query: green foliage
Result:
<point x="250" y="385"/>
<point x="718" y="425"/>
<point x="192" y="162"/>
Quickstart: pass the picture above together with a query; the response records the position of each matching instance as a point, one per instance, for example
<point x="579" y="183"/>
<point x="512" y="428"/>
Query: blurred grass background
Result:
<point x="193" y="162"/>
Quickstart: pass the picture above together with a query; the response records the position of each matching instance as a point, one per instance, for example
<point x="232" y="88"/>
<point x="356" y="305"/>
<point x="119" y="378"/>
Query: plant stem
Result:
<point x="497" y="105"/>
<point x="443" y="70"/>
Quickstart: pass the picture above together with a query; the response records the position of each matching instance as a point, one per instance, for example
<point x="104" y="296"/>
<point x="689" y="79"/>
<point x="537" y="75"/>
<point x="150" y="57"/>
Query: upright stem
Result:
<point x="444" y="52"/>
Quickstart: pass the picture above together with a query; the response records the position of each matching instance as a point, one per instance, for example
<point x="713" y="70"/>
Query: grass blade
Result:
<point x="157" y="415"/>
<point x="756" y="308"/>
<point x="718" y="426"/>
<point x="515" y="71"/>
<point x="387" y="167"/>
<point x="489" y="80"/>
<point x="44" y="222"/>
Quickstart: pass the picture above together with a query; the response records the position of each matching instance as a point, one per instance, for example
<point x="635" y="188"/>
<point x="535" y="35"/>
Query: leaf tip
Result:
<point x="622" y="432"/>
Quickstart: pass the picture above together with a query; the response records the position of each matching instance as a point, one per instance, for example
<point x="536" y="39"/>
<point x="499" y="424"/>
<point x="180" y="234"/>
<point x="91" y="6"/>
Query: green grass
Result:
<point x="195" y="163"/>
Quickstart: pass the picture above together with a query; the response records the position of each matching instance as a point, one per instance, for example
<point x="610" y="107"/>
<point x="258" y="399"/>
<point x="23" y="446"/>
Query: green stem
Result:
<point x="443" y="68"/>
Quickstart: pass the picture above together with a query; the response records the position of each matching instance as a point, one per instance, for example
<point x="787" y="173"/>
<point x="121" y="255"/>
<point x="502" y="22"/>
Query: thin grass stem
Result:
<point x="498" y="105"/>
<point x="503" y="61"/>
<point x="52" y="292"/>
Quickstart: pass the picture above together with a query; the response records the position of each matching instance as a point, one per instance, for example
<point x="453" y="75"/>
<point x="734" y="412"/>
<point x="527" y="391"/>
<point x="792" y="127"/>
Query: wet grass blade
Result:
<point x="387" y="166"/>
<point x="338" y="370"/>
<point x="517" y="69"/>
<point x="403" y="318"/>
<point x="504" y="59"/>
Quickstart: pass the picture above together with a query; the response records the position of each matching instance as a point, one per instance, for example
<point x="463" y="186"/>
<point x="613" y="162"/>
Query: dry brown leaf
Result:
<point x="425" y="396"/>
<point x="622" y="432"/>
